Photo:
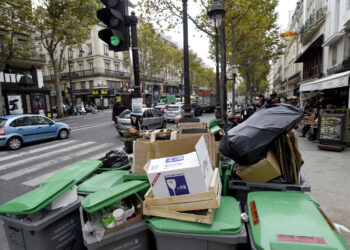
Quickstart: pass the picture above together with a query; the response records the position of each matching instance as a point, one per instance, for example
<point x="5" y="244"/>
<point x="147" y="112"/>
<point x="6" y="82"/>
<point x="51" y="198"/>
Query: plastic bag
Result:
<point x="115" y="159"/>
<point x="248" y="142"/>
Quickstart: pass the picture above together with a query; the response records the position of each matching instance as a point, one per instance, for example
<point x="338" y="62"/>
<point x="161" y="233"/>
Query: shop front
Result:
<point x="102" y="98"/>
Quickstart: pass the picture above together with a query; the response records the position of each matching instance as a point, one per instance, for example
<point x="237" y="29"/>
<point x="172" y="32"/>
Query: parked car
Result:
<point x="148" y="119"/>
<point x="161" y="107"/>
<point x="172" y="111"/>
<point x="16" y="130"/>
<point x="123" y="122"/>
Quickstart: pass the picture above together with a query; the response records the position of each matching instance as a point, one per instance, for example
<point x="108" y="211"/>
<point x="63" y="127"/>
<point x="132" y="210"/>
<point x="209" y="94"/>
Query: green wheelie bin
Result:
<point x="226" y="232"/>
<point x="290" y="221"/>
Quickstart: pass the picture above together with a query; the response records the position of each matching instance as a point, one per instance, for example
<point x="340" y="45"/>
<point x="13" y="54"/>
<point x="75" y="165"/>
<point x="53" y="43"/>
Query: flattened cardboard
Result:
<point x="263" y="171"/>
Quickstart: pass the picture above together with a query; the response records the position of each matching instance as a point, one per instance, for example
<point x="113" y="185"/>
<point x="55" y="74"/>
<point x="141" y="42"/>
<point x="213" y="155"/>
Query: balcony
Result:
<point x="90" y="73"/>
<point x="313" y="72"/>
<point x="311" y="26"/>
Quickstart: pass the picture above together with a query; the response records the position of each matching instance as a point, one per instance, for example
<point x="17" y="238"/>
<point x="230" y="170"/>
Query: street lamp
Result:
<point x="216" y="13"/>
<point x="233" y="71"/>
<point x="72" y="96"/>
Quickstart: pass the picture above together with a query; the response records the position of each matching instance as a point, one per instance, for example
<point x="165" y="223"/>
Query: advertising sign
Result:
<point x="15" y="104"/>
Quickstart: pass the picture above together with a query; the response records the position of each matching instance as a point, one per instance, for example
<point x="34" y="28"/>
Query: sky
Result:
<point x="199" y="42"/>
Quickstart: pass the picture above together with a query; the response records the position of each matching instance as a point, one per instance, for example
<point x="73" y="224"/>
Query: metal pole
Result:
<point x="217" y="110"/>
<point x="187" y="106"/>
<point x="135" y="54"/>
<point x="72" y="99"/>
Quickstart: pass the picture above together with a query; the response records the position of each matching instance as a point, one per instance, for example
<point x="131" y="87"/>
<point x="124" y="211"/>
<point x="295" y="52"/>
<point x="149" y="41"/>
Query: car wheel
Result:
<point x="14" y="143"/>
<point x="63" y="134"/>
<point x="164" y="124"/>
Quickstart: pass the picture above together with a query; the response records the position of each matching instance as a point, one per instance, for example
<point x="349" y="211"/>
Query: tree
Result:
<point x="15" y="15"/>
<point x="63" y="24"/>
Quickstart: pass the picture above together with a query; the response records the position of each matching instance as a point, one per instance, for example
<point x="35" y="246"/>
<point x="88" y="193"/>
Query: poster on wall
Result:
<point x="15" y="104"/>
<point x="38" y="103"/>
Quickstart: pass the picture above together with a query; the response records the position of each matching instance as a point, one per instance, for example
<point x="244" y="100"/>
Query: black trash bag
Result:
<point x="248" y="142"/>
<point x="114" y="159"/>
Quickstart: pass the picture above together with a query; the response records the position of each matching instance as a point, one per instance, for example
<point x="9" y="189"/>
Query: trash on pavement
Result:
<point x="298" y="223"/>
<point x="114" y="159"/>
<point x="226" y="231"/>
<point x="248" y="142"/>
<point x="181" y="174"/>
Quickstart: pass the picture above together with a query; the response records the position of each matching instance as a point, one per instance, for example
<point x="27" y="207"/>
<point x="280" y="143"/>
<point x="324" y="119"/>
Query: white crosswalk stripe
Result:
<point x="40" y="179"/>
<point x="17" y="155"/>
<point x="48" y="163"/>
<point x="43" y="156"/>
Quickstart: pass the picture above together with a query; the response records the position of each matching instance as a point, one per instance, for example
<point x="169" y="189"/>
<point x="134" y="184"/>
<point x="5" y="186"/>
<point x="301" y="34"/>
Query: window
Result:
<point x="81" y="51"/>
<point x="91" y="67"/>
<point x="155" y="113"/>
<point x="63" y="57"/>
<point x="70" y="53"/>
<point x="105" y="49"/>
<point x="41" y="120"/>
<point x="334" y="55"/>
<point x="71" y="67"/>
<point x="89" y="49"/>
<point x="81" y="67"/>
<point x="91" y="84"/>
<point x="25" y="121"/>
<point x="115" y="54"/>
<point x="147" y="114"/>
<point x="106" y="68"/>
<point x="116" y="67"/>
<point x="83" y="85"/>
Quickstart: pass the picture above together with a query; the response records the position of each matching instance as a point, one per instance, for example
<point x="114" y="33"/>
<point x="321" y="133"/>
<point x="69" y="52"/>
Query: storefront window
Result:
<point x="38" y="103"/>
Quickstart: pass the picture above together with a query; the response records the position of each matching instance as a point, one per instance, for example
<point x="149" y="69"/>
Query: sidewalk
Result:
<point x="72" y="117"/>
<point x="329" y="174"/>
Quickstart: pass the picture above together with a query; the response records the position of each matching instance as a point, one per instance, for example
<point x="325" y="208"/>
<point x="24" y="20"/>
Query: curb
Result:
<point x="74" y="117"/>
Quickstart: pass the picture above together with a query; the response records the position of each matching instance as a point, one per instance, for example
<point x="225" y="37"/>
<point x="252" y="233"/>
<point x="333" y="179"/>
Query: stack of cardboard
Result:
<point x="185" y="186"/>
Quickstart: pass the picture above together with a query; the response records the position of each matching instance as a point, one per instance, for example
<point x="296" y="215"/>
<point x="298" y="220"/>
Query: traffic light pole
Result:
<point x="135" y="54"/>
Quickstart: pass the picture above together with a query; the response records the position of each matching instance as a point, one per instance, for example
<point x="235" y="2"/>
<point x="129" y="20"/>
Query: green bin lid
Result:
<point x="102" y="181"/>
<point x="37" y="199"/>
<point x="131" y="177"/>
<point x="226" y="221"/>
<point x="77" y="171"/>
<point x="103" y="198"/>
<point x="290" y="221"/>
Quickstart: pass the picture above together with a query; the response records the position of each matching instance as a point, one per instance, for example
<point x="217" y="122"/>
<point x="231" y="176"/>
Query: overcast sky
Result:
<point x="199" y="42"/>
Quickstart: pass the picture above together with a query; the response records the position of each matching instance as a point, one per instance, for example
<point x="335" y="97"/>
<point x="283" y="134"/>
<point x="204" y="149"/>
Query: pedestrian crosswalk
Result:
<point x="34" y="165"/>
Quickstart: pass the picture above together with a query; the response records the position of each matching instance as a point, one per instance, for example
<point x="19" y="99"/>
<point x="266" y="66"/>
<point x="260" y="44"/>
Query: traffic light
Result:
<point x="115" y="16"/>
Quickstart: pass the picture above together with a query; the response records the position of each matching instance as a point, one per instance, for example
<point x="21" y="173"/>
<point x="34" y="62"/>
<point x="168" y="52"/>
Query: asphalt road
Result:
<point x="94" y="135"/>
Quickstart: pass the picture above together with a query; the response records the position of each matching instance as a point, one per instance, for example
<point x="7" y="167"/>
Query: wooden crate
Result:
<point x="199" y="216"/>
<point x="188" y="202"/>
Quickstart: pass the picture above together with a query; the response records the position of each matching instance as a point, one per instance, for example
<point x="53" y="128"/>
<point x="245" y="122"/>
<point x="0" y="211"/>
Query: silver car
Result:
<point x="123" y="122"/>
<point x="150" y="119"/>
<point x="172" y="111"/>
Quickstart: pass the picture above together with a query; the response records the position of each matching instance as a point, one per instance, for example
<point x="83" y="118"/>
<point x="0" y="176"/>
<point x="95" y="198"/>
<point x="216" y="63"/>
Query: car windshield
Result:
<point x="125" y="114"/>
<point x="2" y="121"/>
<point x="173" y="108"/>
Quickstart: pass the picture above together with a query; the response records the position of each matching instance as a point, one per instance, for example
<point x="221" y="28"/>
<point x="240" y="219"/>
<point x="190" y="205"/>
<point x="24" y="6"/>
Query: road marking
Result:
<point x="89" y="125"/>
<point x="36" y="150"/>
<point x="45" y="164"/>
<point x="40" y="179"/>
<point x="42" y="156"/>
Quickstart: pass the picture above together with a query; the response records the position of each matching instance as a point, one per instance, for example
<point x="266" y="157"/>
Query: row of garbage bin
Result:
<point x="255" y="219"/>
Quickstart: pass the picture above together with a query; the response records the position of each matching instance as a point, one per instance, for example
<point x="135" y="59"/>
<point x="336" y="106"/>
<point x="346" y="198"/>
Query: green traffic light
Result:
<point x="115" y="40"/>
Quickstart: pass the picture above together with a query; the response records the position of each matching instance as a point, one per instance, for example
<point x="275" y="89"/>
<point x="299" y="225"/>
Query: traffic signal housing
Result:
<point x="115" y="16"/>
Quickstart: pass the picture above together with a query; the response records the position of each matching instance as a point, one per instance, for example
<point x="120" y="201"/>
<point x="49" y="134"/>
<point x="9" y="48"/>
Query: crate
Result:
<point x="240" y="189"/>
<point x="188" y="202"/>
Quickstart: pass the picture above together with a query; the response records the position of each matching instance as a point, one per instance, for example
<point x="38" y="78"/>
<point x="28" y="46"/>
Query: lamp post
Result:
<point x="216" y="14"/>
<point x="187" y="106"/>
<point x="71" y="93"/>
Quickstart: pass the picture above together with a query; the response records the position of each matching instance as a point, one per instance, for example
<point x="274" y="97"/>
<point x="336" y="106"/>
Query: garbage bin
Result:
<point x="58" y="229"/>
<point x="102" y="181"/>
<point x="287" y="220"/>
<point x="240" y="189"/>
<point x="133" y="235"/>
<point x="226" y="232"/>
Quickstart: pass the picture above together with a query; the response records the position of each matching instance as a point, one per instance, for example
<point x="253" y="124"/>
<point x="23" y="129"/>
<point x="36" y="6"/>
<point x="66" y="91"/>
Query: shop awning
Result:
<point x="330" y="82"/>
<point x="316" y="44"/>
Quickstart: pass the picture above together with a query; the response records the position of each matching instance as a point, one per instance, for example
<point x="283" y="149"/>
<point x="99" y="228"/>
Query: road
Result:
<point x="94" y="135"/>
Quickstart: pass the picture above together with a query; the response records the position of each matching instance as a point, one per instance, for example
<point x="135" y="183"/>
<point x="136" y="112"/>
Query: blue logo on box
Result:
<point x="174" y="159"/>
<point x="177" y="185"/>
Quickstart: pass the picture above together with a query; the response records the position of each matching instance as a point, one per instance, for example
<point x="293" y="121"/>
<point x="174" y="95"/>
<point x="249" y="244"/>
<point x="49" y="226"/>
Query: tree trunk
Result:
<point x="247" y="88"/>
<point x="234" y="75"/>
<point x="58" y="88"/>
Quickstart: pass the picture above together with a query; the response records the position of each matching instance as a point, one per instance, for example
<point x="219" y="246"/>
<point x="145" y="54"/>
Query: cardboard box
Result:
<point x="190" y="125"/>
<point x="263" y="171"/>
<point x="181" y="174"/>
<point x="145" y="150"/>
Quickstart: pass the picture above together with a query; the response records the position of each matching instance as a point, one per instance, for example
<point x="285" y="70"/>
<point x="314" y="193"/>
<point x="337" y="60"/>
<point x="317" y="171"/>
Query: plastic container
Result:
<point x="132" y="236"/>
<point x="226" y="232"/>
<point x="290" y="221"/>
<point x="240" y="189"/>
<point x="59" y="229"/>
<point x="102" y="181"/>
